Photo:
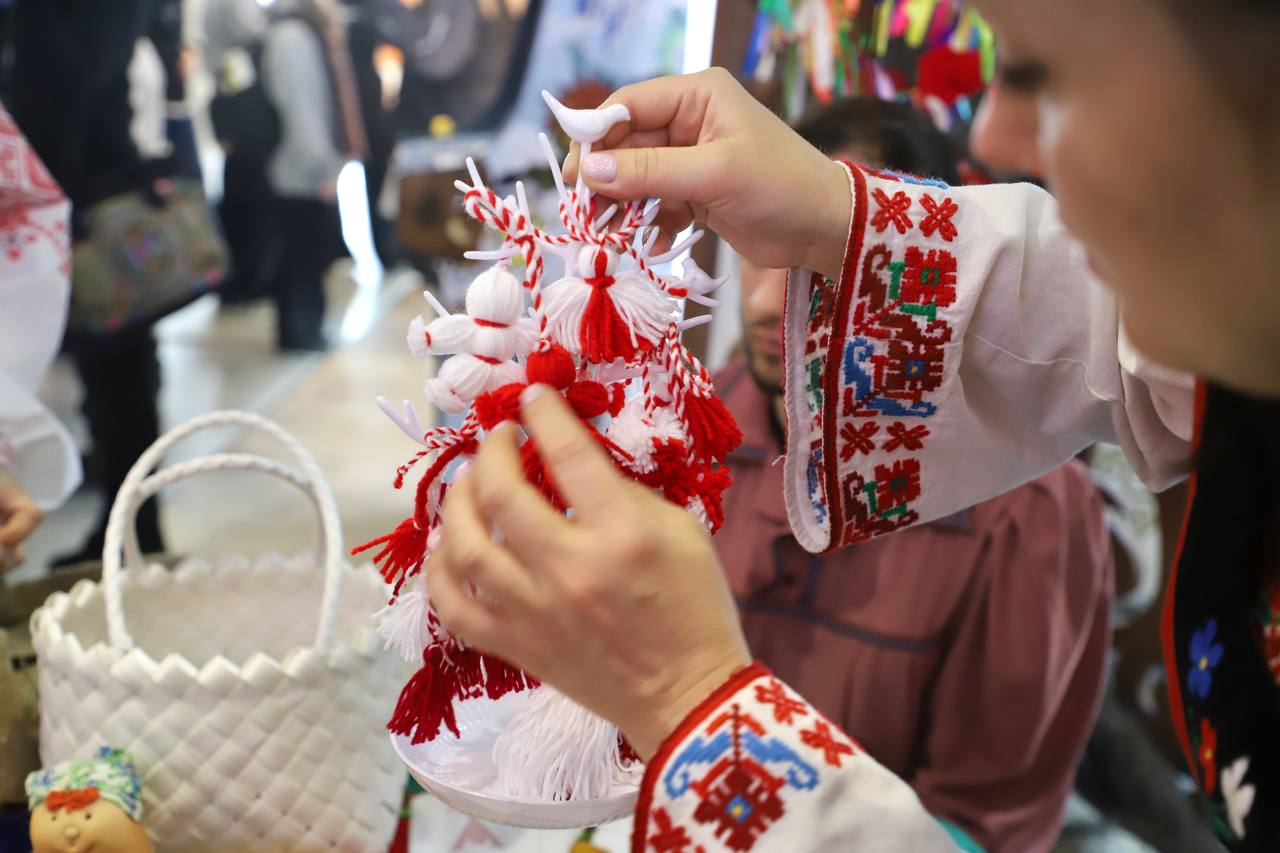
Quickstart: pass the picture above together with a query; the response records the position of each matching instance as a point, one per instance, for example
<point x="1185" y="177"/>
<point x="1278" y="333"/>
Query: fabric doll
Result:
<point x="88" y="805"/>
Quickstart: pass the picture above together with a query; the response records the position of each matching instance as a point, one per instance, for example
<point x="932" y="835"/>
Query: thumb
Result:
<point x="674" y="174"/>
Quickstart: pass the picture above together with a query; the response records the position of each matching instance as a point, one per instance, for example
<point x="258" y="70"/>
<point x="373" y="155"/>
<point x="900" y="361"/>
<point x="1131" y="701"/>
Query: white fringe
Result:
<point x="554" y="749"/>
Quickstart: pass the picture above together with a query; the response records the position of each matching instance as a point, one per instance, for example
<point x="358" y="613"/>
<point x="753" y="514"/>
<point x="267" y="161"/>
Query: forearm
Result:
<point x="756" y="767"/>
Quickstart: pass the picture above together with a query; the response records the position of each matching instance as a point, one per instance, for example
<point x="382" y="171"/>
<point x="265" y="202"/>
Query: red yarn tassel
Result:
<point x="426" y="702"/>
<point x="501" y="678"/>
<point x="405" y="548"/>
<point x="604" y="335"/>
<point x="403" y="552"/>
<point x="713" y="432"/>
<point x="626" y="754"/>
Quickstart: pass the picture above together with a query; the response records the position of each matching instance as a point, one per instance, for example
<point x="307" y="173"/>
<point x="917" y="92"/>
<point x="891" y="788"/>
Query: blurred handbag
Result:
<point x="142" y="261"/>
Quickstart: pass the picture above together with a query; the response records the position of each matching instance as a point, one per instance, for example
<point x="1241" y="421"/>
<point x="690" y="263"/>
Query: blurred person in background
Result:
<point x="39" y="462"/>
<point x="297" y="122"/>
<point x="986" y="633"/>
<point x="70" y="95"/>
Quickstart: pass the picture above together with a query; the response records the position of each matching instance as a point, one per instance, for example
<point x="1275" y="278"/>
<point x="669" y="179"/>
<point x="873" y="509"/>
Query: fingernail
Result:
<point x="531" y="392"/>
<point x="600" y="166"/>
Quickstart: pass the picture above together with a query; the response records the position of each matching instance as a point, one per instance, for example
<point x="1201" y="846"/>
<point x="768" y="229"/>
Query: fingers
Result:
<point x="468" y="553"/>
<point x="11" y="557"/>
<point x="583" y="474"/>
<point x="23" y="517"/>
<point x="678" y="174"/>
<point x="504" y="500"/>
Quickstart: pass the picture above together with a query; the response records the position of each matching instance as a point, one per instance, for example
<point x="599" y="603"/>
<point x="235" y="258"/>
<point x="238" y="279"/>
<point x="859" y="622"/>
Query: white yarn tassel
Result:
<point x="635" y="430"/>
<point x="553" y="749"/>
<point x="645" y="309"/>
<point x="449" y="335"/>
<point x="464" y="377"/>
<point x="417" y="340"/>
<point x="403" y="624"/>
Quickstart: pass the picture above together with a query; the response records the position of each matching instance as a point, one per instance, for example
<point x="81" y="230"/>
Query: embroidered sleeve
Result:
<point x="757" y="768"/>
<point x="964" y="350"/>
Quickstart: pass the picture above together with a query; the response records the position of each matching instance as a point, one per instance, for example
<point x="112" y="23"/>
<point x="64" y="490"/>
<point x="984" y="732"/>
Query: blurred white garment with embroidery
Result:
<point x="34" y="291"/>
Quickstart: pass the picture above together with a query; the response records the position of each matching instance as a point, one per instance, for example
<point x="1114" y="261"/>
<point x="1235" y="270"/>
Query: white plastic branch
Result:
<point x="553" y="162"/>
<point x="703" y="300"/>
<point x="475" y="174"/>
<point x="604" y="218"/>
<point x="436" y="305"/>
<point x="523" y="200"/>
<point x="693" y="322"/>
<point x="491" y="254"/>
<point x="696" y="281"/>
<point x="678" y="249"/>
<point x="407" y="421"/>
<point x="652" y="206"/>
<point x="580" y="186"/>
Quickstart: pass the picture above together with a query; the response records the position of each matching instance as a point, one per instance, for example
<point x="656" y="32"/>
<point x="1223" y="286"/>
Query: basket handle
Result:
<point x="121" y="537"/>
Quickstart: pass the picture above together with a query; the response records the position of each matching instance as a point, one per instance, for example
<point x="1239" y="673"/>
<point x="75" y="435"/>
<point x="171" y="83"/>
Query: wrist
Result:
<point x="834" y="211"/>
<point x="689" y="688"/>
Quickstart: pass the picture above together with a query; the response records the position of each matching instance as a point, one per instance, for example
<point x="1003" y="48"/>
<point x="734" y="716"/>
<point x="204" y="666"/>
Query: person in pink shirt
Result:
<point x="968" y="654"/>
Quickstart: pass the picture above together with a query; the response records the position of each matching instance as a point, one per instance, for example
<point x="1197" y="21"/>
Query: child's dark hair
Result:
<point x="899" y="136"/>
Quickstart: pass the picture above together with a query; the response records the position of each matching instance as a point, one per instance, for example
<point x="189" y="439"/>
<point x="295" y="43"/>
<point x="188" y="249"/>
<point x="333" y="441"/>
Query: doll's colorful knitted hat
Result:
<point x="110" y="775"/>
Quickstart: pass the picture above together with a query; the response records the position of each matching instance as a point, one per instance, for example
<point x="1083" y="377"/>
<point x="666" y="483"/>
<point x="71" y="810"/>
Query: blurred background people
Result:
<point x="295" y="122"/>
<point x="968" y="654"/>
<point x="70" y="95"/>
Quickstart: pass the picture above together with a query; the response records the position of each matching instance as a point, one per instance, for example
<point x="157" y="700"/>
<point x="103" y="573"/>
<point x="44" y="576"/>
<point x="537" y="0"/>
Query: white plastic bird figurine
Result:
<point x="586" y="126"/>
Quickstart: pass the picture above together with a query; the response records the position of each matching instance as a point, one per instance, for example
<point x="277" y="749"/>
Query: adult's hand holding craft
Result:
<point x="623" y="606"/>
<point x="717" y="156"/>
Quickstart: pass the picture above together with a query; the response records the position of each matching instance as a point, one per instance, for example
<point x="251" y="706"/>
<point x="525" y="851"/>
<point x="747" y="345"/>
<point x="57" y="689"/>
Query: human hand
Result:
<point x="714" y="154"/>
<point x="624" y="607"/>
<point x="19" y="516"/>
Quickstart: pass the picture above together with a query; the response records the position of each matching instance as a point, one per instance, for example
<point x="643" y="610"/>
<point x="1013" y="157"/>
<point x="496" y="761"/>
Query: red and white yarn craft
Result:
<point x="607" y="336"/>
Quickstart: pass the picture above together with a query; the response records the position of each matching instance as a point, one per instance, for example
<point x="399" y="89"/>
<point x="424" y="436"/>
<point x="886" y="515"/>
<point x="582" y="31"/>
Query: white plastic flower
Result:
<point x="1238" y="797"/>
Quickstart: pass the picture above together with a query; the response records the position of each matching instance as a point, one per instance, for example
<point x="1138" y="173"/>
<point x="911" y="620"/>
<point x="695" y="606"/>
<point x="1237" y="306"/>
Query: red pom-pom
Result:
<point x="713" y="432"/>
<point x="589" y="399"/>
<point x="553" y="367"/>
<point x="498" y="405"/>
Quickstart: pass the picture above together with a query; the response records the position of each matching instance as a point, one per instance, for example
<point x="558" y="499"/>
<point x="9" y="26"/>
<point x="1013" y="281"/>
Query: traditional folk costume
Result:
<point x="966" y="349"/>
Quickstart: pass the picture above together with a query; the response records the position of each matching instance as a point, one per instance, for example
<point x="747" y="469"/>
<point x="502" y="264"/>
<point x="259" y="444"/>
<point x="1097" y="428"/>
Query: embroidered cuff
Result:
<point x="727" y="772"/>
<point x="865" y="357"/>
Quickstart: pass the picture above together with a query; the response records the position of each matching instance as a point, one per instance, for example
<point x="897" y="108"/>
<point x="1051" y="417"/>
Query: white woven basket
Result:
<point x="255" y="726"/>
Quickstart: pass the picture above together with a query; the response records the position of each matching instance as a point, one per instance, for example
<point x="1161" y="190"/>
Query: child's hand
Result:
<point x="715" y="154"/>
<point x="19" y="515"/>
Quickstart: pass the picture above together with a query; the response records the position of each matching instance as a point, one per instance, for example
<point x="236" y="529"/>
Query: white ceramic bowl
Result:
<point x="460" y="772"/>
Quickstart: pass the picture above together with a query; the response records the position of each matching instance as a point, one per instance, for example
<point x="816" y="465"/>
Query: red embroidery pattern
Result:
<point x="857" y="440"/>
<point x="784" y="707"/>
<point x="888" y="360"/>
<point x="911" y="438"/>
<point x="939" y="218"/>
<point x="832" y="746"/>
<point x="25" y="185"/>
<point x="893" y="211"/>
<point x="739" y="796"/>
<point x="668" y="837"/>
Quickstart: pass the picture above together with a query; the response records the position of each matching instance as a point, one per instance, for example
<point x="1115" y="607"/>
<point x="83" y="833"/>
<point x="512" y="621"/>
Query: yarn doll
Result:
<point x="88" y="805"/>
<point x="606" y="335"/>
